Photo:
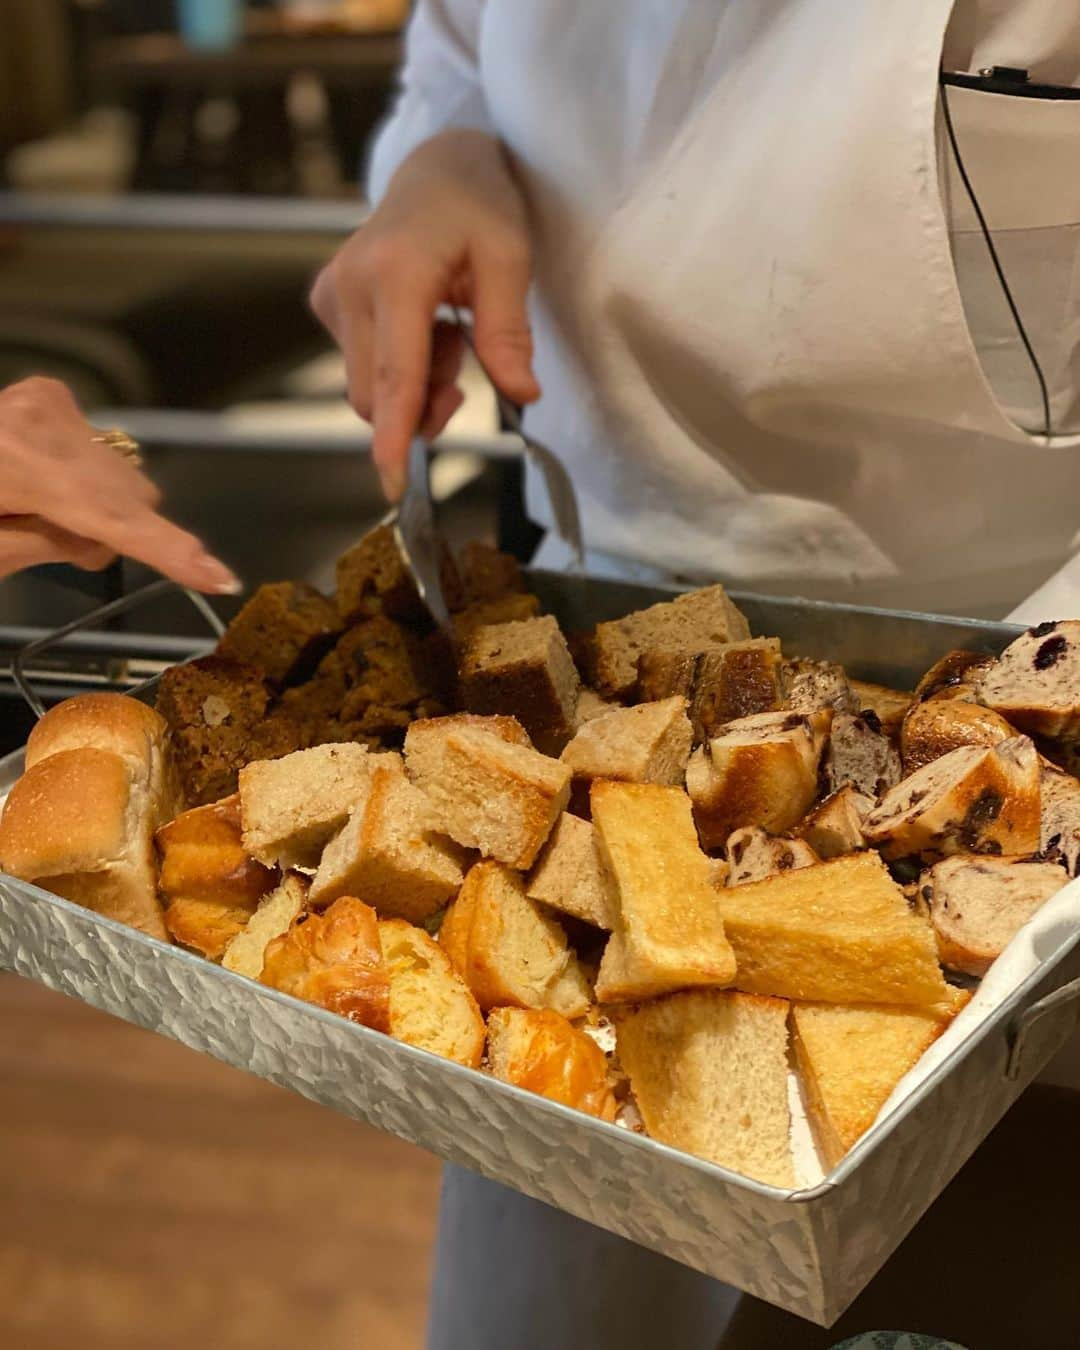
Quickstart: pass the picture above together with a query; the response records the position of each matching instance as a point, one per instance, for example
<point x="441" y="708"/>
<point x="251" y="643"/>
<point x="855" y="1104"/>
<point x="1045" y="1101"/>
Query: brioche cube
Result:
<point x="760" y="770"/>
<point x="540" y="1050"/>
<point x="834" y="826"/>
<point x="523" y="668"/>
<point x="690" y="623"/>
<point x="430" y="1005"/>
<point x="292" y="807"/>
<point x="754" y="855"/>
<point x="649" y="743"/>
<point x="838" y="932"/>
<point x="1035" y="683"/>
<point x="203" y="857"/>
<point x="720" y="685"/>
<point x="507" y="950"/>
<point x="978" y="905"/>
<point x="246" y="953"/>
<point x="668" y="931"/>
<point x="709" y="1075"/>
<point x="334" y="960"/>
<point x="850" y="1058"/>
<point x="932" y="729"/>
<point x="568" y="875"/>
<point x="486" y="792"/>
<point x="974" y="799"/>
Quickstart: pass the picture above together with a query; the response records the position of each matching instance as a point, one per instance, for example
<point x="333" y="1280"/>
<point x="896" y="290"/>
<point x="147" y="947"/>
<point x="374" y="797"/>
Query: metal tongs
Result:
<point x="416" y="529"/>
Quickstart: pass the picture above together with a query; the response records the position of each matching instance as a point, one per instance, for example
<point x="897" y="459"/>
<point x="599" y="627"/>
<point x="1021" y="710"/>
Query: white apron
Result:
<point x="763" y="365"/>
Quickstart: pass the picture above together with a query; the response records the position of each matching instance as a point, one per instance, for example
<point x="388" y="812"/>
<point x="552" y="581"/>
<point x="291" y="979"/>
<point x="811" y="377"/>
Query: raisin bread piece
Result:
<point x="860" y="756"/>
<point x="974" y="799"/>
<point x="834" y="827"/>
<point x="888" y="705"/>
<point x="1035" y="684"/>
<point x="1060" y="832"/>
<point x="754" y="855"/>
<point x="810" y="686"/>
<point x="955" y="671"/>
<point x="933" y="728"/>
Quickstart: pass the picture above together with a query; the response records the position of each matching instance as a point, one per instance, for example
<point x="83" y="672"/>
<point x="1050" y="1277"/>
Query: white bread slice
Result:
<point x="834" y="826"/>
<point x="507" y="950"/>
<point x="860" y="755"/>
<point x="292" y="807"/>
<point x="932" y="729"/>
<point x="540" y="1050"/>
<point x="1035" y="683"/>
<point x="668" y="932"/>
<point x="334" y="960"/>
<point x="975" y="799"/>
<point x="840" y="932"/>
<point x="568" y="875"/>
<point x="978" y="905"/>
<point x="430" y="1005"/>
<point x="388" y="853"/>
<point x="1060" y="817"/>
<point x="754" y="855"/>
<point x="709" y="1075"/>
<point x="246" y="953"/>
<point x="849" y="1059"/>
<point x="760" y="770"/>
<point x="80" y="823"/>
<point x="649" y="743"/>
<point x="690" y="623"/>
<point x="888" y="705"/>
<point x="485" y="792"/>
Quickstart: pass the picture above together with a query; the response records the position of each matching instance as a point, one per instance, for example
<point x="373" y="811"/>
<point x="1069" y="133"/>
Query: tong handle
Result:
<point x="96" y="616"/>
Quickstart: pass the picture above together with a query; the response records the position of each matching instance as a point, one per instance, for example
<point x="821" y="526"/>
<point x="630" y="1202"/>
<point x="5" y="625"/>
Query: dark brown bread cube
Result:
<point x="283" y="630"/>
<point x="372" y="579"/>
<point x="720" y="685"/>
<point x="487" y="574"/>
<point x="525" y="670"/>
<point x="380" y="662"/>
<point x="510" y="609"/>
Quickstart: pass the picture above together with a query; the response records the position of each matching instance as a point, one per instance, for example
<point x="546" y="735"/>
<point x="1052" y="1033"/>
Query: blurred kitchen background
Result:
<point x="173" y="173"/>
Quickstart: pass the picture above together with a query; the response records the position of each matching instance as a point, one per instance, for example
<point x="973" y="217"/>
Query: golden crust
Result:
<point x="541" y="1051"/>
<point x="97" y="721"/>
<point x="68" y="813"/>
<point x="203" y="858"/>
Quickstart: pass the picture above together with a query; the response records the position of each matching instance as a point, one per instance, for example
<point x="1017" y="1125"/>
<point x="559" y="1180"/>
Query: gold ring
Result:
<point x="124" y="445"/>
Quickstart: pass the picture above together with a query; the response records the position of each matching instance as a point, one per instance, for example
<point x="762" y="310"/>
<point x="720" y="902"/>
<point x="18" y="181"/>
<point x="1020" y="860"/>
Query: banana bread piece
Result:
<point x="372" y="579"/>
<point x="283" y="630"/>
<point x="487" y="574"/>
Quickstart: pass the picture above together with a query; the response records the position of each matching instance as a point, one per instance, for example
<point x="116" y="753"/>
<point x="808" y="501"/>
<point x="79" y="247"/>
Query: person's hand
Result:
<point x="65" y="498"/>
<point x="450" y="230"/>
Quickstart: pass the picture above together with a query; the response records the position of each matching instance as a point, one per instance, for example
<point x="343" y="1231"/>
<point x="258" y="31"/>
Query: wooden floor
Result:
<point x="153" y="1198"/>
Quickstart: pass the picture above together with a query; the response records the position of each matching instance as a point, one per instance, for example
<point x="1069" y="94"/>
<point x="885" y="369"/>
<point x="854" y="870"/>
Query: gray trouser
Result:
<point x="514" y="1274"/>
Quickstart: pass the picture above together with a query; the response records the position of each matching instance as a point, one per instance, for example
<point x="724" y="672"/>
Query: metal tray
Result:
<point x="808" y="1251"/>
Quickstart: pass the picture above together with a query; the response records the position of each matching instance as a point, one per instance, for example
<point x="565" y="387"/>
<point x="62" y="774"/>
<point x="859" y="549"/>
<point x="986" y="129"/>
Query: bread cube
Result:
<point x="834" y="826"/>
<point x="859" y="755"/>
<point x="932" y="729"/>
<point x="569" y="877"/>
<point x="955" y="668"/>
<point x="523" y="669"/>
<point x="1035" y="683"/>
<point x="430" y="1005"/>
<point x="540" y="1050"/>
<point x="649" y="743"/>
<point x="754" y="855"/>
<point x="246" y="953"/>
<point x="373" y="578"/>
<point x="284" y="630"/>
<point x="888" y="705"/>
<point x="813" y="686"/>
<point x="1059" y="817"/>
<point x="721" y="685"/>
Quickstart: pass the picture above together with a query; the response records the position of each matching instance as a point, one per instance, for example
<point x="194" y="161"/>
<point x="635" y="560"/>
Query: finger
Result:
<point x="27" y="541"/>
<point x="356" y="346"/>
<point x="501" y="320"/>
<point x="440" y="409"/>
<point x="404" y="311"/>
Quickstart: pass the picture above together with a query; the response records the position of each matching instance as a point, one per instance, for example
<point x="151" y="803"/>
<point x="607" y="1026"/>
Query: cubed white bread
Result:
<point x="388" y="854"/>
<point x="709" y="1073"/>
<point x="975" y="799"/>
<point x="648" y="743"/>
<point x="292" y="807"/>
<point x="760" y="770"/>
<point x="978" y="905"/>
<point x="568" y="875"/>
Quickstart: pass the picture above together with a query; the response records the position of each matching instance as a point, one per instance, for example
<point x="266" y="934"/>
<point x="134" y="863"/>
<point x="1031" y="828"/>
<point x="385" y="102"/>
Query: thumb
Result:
<point x="501" y="322"/>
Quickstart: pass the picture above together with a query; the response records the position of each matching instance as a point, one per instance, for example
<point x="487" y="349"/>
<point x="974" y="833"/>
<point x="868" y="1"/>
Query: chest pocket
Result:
<point x="1022" y="156"/>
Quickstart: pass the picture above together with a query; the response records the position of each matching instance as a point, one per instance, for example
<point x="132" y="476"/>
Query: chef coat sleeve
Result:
<point x="440" y="85"/>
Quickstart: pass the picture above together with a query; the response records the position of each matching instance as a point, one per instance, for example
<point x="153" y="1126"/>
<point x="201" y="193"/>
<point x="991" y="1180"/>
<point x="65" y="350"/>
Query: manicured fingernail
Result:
<point x="215" y="577"/>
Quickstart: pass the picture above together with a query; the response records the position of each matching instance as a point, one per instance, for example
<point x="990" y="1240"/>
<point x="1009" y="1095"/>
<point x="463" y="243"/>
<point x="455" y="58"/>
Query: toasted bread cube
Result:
<point x="246" y="953"/>
<point x="709" y="1074"/>
<point x="690" y="623"/>
<point x="932" y="729"/>
<point x="849" y="1060"/>
<point x="388" y="853"/>
<point x="859" y="755"/>
<point x="668" y="931"/>
<point x="978" y="905"/>
<point x="284" y="630"/>
<point x="974" y="800"/>
<point x="721" y="685"/>
<point x="523" y="668"/>
<point x="649" y="743"/>
<point x="839" y="932"/>
<point x="430" y="1005"/>
<point x="203" y="857"/>
<point x="759" y="770"/>
<point x="292" y="807"/>
<point x="834" y="826"/>
<point x="487" y="793"/>
<point x="1035" y="683"/>
<point x="334" y="960"/>
<point x="1060" y="817"/>
<point x="507" y="609"/>
<point x="540" y="1050"/>
<point x="568" y="875"/>
<point x="589" y="706"/>
<point x="888" y="705"/>
<point x="814" y="686"/>
<point x="506" y="950"/>
<point x="754" y="855"/>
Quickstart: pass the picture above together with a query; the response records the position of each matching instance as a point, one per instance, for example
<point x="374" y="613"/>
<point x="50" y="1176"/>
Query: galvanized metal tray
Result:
<point x="808" y="1251"/>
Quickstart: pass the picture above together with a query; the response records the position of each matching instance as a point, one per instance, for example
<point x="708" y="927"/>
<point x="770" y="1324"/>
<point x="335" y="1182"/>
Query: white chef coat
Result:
<point x="770" y="347"/>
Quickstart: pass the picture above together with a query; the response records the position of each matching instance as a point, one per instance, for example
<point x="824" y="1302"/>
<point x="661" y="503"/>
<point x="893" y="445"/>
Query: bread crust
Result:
<point x="539" y="1050"/>
<point x="932" y="729"/>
